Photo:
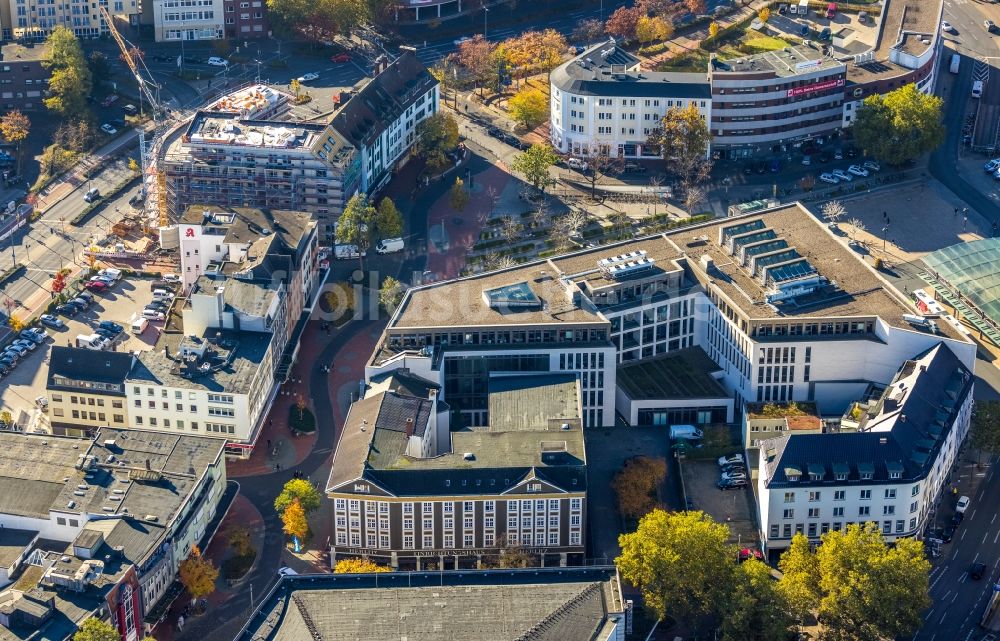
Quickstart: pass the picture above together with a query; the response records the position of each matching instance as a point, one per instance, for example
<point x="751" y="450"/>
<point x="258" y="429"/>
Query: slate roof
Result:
<point x="86" y="365"/>
<point x="383" y="100"/>
<point x="565" y="604"/>
<point x="904" y="431"/>
<point x="608" y="70"/>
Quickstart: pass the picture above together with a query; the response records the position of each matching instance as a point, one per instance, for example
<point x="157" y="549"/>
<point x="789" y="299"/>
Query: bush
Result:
<point x="301" y="420"/>
<point x="236" y="567"/>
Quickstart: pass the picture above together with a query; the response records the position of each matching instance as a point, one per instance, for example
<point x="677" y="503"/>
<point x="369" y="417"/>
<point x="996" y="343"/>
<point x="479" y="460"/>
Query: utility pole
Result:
<point x="486" y="15"/>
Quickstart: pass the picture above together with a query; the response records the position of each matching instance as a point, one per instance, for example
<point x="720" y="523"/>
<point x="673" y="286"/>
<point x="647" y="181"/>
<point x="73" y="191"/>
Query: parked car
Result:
<point x="459" y="41"/>
<point x="992" y="165"/>
<point x="112" y="326"/>
<point x="829" y="178"/>
<point x="171" y="278"/>
<point x="8" y="361"/>
<point x="732" y="458"/>
<point x="20" y="350"/>
<point x="843" y="175"/>
<point x="634" y="168"/>
<point x="67" y="310"/>
<point x="51" y="321"/>
<point x="81" y="302"/>
<point x="852" y="152"/>
<point x="871" y="165"/>
<point x="806" y="160"/>
<point x="946" y="26"/>
<point x="838" y="155"/>
<point x="977" y="570"/>
<point x="577" y="164"/>
<point x="130" y="110"/>
<point x="216" y="61"/>
<point x="110" y="100"/>
<point x="287" y="571"/>
<point x="308" y="77"/>
<point x="962" y="505"/>
<point x="105" y="333"/>
<point x="35" y="337"/>
<point x="857" y="170"/>
<point x="731" y="485"/>
<point x="343" y="57"/>
<point x="26" y="344"/>
<point x="91" y="195"/>
<point x="96" y="286"/>
<point x="107" y="280"/>
<point x="108" y="129"/>
<point x="948" y="533"/>
<point x="989" y="25"/>
<point x="153" y="314"/>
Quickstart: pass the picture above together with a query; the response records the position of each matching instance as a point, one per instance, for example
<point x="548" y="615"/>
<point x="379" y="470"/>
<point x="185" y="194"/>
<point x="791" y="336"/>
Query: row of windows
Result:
<point x="468" y="540"/>
<point x="450" y="507"/>
<point x="86" y="415"/>
<point x="863" y="510"/>
<point x="813" y="530"/>
<point x="841" y="495"/>
<point x="86" y="400"/>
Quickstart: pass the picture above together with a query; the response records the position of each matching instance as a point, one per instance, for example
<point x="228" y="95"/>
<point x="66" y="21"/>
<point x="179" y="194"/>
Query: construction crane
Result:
<point x="155" y="201"/>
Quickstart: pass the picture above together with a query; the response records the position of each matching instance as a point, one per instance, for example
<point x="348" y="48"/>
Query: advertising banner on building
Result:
<point x="819" y="86"/>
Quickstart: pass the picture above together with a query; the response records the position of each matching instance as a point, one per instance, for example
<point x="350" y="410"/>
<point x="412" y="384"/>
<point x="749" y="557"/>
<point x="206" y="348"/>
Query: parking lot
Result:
<point x="732" y="507"/>
<point x="26" y="380"/>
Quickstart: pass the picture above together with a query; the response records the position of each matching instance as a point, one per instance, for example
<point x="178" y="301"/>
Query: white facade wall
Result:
<point x="193" y="415"/>
<point x="175" y="20"/>
<point x="581" y="124"/>
<point x="395" y="141"/>
<point x="59" y="526"/>
<point x="36" y="19"/>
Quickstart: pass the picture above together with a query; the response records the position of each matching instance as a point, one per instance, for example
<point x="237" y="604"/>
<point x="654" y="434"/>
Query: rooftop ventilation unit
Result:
<point x="621" y="258"/>
<point x="631" y="268"/>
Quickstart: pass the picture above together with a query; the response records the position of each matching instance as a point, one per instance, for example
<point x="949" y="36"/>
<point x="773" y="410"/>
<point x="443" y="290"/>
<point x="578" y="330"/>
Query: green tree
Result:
<point x="356" y="225"/>
<point x="757" y="610"/>
<point x="94" y="629"/>
<point x="15" y="127"/>
<point x="683" y="565"/>
<point x="100" y="67"/>
<point x="529" y="107"/>
<point x="388" y="220"/>
<point x="321" y="20"/>
<point x="799" y="584"/>
<point x="436" y="136"/>
<point x="71" y="80"/>
<point x="198" y="575"/>
<point x="683" y="137"/>
<point x="984" y="434"/>
<point x="294" y="522"/>
<point x="390" y="294"/>
<point x="300" y="490"/>
<point x="458" y="198"/>
<point x="534" y="165"/>
<point x="239" y="540"/>
<point x="899" y="126"/>
<point x="637" y="485"/>
<point x="871" y="591"/>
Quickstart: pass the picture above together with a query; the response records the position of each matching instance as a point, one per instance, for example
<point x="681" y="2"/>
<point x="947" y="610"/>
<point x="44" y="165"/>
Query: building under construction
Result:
<point x="238" y="152"/>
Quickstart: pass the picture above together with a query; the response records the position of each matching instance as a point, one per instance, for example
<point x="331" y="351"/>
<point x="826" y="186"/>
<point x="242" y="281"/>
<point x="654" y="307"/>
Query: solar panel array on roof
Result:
<point x="762" y="248"/>
<point x="605" y="263"/>
<point x="725" y="233"/>
<point x="631" y="268"/>
<point x="790" y="271"/>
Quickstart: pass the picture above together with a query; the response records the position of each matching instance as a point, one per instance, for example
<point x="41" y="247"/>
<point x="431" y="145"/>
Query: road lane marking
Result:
<point x="943" y="616"/>
<point x="928" y="617"/>
<point x="997" y="536"/>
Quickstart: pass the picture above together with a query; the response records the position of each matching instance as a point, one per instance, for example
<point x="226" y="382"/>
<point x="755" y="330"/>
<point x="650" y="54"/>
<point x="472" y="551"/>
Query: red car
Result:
<point x="96" y="286"/>
<point x="341" y="57"/>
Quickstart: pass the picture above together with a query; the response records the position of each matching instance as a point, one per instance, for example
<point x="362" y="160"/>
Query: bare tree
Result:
<point x="540" y="217"/>
<point x="511" y="229"/>
<point x="807" y="182"/>
<point x="600" y="165"/>
<point x="833" y="211"/>
<point x="857" y="226"/>
<point x="693" y="196"/>
<point x="494" y="261"/>
<point x="655" y="182"/>
<point x="494" y="197"/>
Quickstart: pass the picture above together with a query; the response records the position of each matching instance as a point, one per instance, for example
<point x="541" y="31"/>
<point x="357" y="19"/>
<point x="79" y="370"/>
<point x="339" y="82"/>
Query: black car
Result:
<point x="732" y="485"/>
<point x="851" y="152"/>
<point x="194" y="60"/>
<point x="956" y="520"/>
<point x="977" y="571"/>
<point x="67" y="310"/>
<point x="111" y="326"/>
<point x="948" y="533"/>
<point x="748" y="169"/>
<point x="824" y="157"/>
<point x="106" y="333"/>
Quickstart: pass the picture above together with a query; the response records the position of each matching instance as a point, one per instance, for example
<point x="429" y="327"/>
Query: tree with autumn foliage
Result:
<point x="358" y="566"/>
<point x="59" y="281"/>
<point x="529" y="107"/>
<point x="637" y="485"/>
<point x="535" y="51"/>
<point x="198" y="575"/>
<point x="294" y="521"/>
<point x="683" y="137"/>
<point x="476" y="55"/>
<point x="94" y="629"/>
<point x="623" y="22"/>
<point x="15" y="127"/>
<point x="713" y="29"/>
<point x="696" y="7"/>
<point x="653" y="29"/>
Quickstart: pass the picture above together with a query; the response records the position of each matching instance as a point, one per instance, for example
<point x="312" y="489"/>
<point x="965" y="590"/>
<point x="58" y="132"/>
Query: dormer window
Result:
<point x="866" y="476"/>
<point x="894" y="475"/>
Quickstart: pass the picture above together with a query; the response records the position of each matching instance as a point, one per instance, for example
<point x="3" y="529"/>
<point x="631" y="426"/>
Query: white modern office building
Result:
<point x="602" y="102"/>
<point x="890" y="471"/>
<point x="774" y="299"/>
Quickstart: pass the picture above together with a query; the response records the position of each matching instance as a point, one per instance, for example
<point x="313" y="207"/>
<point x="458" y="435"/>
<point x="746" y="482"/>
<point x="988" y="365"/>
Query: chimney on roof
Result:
<point x="147" y="464"/>
<point x="409" y="427"/>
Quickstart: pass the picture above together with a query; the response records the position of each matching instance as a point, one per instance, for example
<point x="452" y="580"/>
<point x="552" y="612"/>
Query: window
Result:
<point x="838" y="511"/>
<point x="408" y="541"/>
<point x="900" y="526"/>
<point x="887" y="527"/>
<point x="890" y="494"/>
<point x="866" y="495"/>
<point x="467" y="541"/>
<point x="913" y="506"/>
<point x="789" y="497"/>
<point x="838" y="495"/>
<point x="812" y="530"/>
<point x="814" y="512"/>
<point x="774" y="531"/>
<point x="814" y="496"/>
<point x="788" y="514"/>
<point x="914" y="490"/>
<point x="864" y="510"/>
<point x="888" y="509"/>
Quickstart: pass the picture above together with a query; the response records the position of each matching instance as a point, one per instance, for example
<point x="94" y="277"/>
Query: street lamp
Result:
<point x="486" y="15"/>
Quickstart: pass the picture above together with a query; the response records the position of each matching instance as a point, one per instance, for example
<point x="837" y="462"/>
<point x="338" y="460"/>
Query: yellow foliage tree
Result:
<point x="534" y="51"/>
<point x="15" y="323"/>
<point x="198" y="575"/>
<point x="294" y="520"/>
<point x="637" y="483"/>
<point x="713" y="29"/>
<point x="529" y="107"/>
<point x="653" y="29"/>
<point x="764" y="14"/>
<point x="358" y="566"/>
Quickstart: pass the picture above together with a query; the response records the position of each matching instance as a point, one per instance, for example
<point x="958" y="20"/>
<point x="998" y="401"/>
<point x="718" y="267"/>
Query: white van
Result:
<point x="91" y="341"/>
<point x="956" y="60"/>
<point x="162" y="294"/>
<point x="111" y="272"/>
<point x="152" y="314"/>
<point x="977" y="89"/>
<point x="389" y="245"/>
<point x="139" y="325"/>
<point x="685" y="432"/>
